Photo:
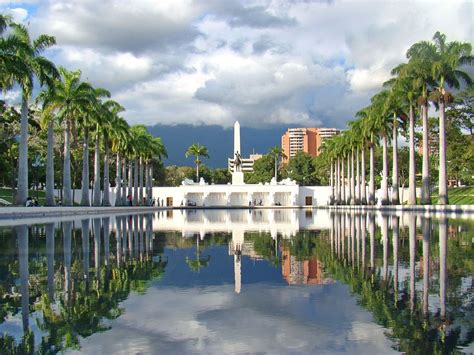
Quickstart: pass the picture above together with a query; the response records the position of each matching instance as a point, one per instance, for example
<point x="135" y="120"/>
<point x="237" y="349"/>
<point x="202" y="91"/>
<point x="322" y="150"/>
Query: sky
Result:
<point x="262" y="62"/>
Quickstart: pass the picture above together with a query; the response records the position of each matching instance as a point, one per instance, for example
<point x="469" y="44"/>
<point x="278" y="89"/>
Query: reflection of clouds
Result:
<point x="262" y="319"/>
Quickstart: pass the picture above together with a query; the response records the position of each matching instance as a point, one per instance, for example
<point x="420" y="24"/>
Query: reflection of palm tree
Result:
<point x="426" y="227"/>
<point x="385" y="245"/>
<point x="50" y="258"/>
<point x="443" y="234"/>
<point x="412" y="236"/>
<point x="396" y="231"/>
<point x="196" y="265"/>
<point x="85" y="247"/>
<point x="22" y="235"/>
<point x="67" y="230"/>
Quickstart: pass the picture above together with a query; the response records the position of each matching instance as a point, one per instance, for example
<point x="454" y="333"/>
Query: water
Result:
<point x="238" y="281"/>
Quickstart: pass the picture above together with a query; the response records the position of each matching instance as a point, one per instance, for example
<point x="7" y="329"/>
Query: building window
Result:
<point x="308" y="200"/>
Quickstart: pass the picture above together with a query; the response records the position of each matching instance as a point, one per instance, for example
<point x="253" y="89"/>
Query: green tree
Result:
<point x="26" y="64"/>
<point x="263" y="169"/>
<point x="277" y="154"/>
<point x="450" y="56"/>
<point x="302" y="169"/>
<point x="197" y="151"/>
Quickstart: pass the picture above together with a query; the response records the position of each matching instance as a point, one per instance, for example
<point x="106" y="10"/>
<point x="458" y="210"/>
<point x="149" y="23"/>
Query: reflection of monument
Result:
<point x="237" y="174"/>
<point x="297" y="272"/>
<point x="235" y="248"/>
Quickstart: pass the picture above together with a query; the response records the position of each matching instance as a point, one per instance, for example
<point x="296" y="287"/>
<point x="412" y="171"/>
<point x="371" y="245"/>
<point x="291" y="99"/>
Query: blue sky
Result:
<point x="263" y="62"/>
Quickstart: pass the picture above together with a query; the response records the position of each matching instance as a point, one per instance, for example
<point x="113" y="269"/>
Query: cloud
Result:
<point x="261" y="62"/>
<point x="216" y="320"/>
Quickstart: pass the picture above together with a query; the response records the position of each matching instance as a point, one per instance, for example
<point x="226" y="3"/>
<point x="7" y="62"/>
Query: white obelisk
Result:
<point x="237" y="176"/>
<point x="237" y="138"/>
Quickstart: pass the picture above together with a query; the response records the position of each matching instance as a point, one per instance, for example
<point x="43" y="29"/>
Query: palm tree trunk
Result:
<point x="140" y="182"/>
<point x="151" y="180"/>
<point x="395" y="180"/>
<point x="49" y="198"/>
<point x="412" y="165"/>
<point x="352" y="200"/>
<point x="331" y="182"/>
<point x="147" y="184"/>
<point x="85" y="200"/>
<point x="343" y="181"/>
<point x="276" y="168"/>
<point x="363" y="199"/>
<point x="357" y="186"/>
<point x="384" y="186"/>
<point x="22" y="186"/>
<point x="106" y="199"/>
<point x="443" y="178"/>
<point x="97" y="172"/>
<point x="118" y="182"/>
<point x="135" y="183"/>
<point x="124" y="178"/>
<point x="67" y="195"/>
<point x="130" y="179"/>
<point x="197" y="170"/>
<point x="338" y="182"/>
<point x="425" y="187"/>
<point x="371" y="174"/>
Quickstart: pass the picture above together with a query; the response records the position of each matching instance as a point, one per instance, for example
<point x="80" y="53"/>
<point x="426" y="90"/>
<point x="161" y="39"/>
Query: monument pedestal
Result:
<point x="238" y="178"/>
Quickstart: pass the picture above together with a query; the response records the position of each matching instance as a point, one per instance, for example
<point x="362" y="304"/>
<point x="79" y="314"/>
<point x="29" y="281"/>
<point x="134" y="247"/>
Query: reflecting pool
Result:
<point x="238" y="281"/>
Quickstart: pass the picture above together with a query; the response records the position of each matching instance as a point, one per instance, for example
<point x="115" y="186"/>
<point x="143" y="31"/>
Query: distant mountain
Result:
<point x="218" y="140"/>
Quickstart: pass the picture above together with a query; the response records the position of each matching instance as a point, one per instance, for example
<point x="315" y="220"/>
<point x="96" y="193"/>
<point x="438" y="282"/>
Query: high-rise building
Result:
<point x="307" y="140"/>
<point x="247" y="163"/>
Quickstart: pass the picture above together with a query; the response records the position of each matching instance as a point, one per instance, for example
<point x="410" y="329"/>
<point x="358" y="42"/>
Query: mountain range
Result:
<point x="218" y="140"/>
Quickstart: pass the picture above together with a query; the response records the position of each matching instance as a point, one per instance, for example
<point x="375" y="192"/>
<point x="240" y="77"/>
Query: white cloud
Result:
<point x="262" y="62"/>
<point x="215" y="320"/>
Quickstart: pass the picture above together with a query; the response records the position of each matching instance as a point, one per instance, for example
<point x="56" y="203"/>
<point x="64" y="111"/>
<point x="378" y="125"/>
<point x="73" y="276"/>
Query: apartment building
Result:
<point x="307" y="140"/>
<point x="247" y="163"/>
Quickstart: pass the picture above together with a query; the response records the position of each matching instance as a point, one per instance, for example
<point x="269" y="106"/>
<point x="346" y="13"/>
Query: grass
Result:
<point x="6" y="194"/>
<point x="457" y="196"/>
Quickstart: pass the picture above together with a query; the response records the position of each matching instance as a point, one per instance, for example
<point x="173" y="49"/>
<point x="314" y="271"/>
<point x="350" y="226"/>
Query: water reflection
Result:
<point x="412" y="273"/>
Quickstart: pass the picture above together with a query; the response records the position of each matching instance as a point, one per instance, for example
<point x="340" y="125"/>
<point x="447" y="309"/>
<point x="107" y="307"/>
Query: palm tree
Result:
<point x="445" y="69"/>
<point x="109" y="113"/>
<point x="382" y="125"/>
<point x="406" y="83"/>
<point x="68" y="100"/>
<point x="88" y="117"/>
<point x="140" y="141"/>
<point x="277" y="153"/>
<point x="354" y="143"/>
<point x="395" y="107"/>
<point x="157" y="152"/>
<point x="119" y="137"/>
<point x="198" y="151"/>
<point x="421" y="57"/>
<point x="31" y="64"/>
<point x="48" y="119"/>
<point x="367" y="115"/>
